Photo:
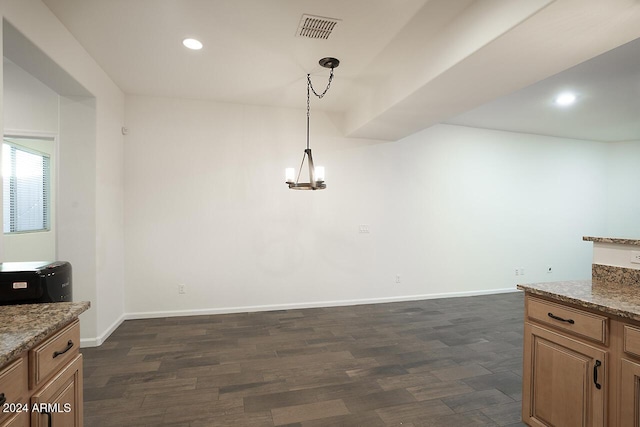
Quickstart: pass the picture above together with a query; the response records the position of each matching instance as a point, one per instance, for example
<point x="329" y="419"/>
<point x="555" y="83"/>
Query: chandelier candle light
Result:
<point x="316" y="174"/>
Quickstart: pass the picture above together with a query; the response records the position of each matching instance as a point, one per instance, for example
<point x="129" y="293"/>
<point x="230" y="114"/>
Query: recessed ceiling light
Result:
<point x="565" y="99"/>
<point x="192" y="44"/>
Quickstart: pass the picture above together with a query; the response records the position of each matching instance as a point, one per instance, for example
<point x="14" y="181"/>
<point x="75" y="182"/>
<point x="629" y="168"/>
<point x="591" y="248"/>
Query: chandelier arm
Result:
<point x="301" y="165"/>
<point x="312" y="170"/>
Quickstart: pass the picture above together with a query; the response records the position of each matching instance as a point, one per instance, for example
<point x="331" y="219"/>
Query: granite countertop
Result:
<point x="609" y="297"/>
<point x="24" y="326"/>
<point x="616" y="240"/>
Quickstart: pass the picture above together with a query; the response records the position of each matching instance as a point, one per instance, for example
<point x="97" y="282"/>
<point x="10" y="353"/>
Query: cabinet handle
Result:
<point x="595" y="374"/>
<point x="58" y="353"/>
<point x="560" y="318"/>
<point x="48" y="414"/>
<point x="2" y="399"/>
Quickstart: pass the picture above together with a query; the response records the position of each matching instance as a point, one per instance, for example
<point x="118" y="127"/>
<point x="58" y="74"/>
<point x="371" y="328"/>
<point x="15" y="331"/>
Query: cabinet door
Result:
<point x="564" y="380"/>
<point x="59" y="402"/>
<point x="20" y="419"/>
<point x="630" y="393"/>
<point x="13" y="387"/>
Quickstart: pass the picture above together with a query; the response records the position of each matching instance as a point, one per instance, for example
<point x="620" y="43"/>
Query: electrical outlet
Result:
<point x="182" y="289"/>
<point x="519" y="271"/>
<point x="635" y="257"/>
<point x="397" y="278"/>
<point x="364" y="228"/>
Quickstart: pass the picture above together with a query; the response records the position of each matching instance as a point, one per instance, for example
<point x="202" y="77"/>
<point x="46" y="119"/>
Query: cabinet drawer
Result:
<point x="632" y="340"/>
<point x="53" y="353"/>
<point x="13" y="385"/>
<point x="575" y="321"/>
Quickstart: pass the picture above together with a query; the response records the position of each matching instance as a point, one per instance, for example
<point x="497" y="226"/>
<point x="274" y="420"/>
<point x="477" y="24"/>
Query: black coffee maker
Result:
<point x="35" y="282"/>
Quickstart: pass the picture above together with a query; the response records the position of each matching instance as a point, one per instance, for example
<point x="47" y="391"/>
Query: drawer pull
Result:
<point x="59" y="353"/>
<point x="2" y="399"/>
<point x="560" y="318"/>
<point x="595" y="374"/>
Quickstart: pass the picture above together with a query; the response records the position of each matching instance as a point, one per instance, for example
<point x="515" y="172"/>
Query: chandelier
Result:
<point x="316" y="173"/>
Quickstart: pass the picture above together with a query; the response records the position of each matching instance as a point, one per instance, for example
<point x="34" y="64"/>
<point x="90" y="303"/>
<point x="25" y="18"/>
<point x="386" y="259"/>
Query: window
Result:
<point x="26" y="186"/>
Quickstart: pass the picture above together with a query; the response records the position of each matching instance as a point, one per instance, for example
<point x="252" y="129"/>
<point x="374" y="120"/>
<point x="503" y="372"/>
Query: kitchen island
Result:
<point x="581" y="353"/>
<point x="40" y="365"/>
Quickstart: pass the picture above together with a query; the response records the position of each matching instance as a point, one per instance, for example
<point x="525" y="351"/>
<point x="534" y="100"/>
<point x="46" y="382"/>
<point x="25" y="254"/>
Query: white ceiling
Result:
<point x="607" y="88"/>
<point x="405" y="64"/>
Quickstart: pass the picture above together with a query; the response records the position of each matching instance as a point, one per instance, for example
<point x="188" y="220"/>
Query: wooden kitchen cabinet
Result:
<point x="629" y="396"/>
<point x="566" y="363"/>
<point x="581" y="367"/>
<point x="19" y="419"/>
<point x="60" y="400"/>
<point x="564" y="386"/>
<point x="629" y="393"/>
<point x="13" y="390"/>
<point x="44" y="385"/>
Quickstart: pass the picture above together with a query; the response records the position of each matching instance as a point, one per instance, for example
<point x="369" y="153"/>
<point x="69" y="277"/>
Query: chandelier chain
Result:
<point x="325" y="89"/>
<point x="309" y="89"/>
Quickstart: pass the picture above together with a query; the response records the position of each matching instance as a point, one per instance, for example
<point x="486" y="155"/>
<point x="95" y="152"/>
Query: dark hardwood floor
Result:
<point x="445" y="362"/>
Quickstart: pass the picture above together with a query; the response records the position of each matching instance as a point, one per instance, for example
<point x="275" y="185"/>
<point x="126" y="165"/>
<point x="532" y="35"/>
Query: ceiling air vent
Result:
<point x="316" y="27"/>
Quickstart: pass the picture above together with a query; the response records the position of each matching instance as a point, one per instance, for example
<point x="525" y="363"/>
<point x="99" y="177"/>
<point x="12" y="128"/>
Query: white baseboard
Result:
<point x="293" y="306"/>
<point x="96" y="342"/>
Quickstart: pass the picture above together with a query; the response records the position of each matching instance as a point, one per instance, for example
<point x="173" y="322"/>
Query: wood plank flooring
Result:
<point x="445" y="362"/>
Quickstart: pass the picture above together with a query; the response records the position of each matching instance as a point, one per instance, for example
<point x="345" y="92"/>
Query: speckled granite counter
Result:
<point x="616" y="240"/>
<point x="23" y="326"/>
<point x="608" y="297"/>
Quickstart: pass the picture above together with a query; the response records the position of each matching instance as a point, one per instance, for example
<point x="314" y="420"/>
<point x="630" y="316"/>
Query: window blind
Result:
<point x="26" y="182"/>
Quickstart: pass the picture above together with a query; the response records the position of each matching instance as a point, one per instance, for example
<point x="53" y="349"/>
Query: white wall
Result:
<point x="77" y="210"/>
<point x="29" y="105"/>
<point x="450" y="209"/>
<point x="95" y="245"/>
<point x="623" y="214"/>
<point x="109" y="211"/>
